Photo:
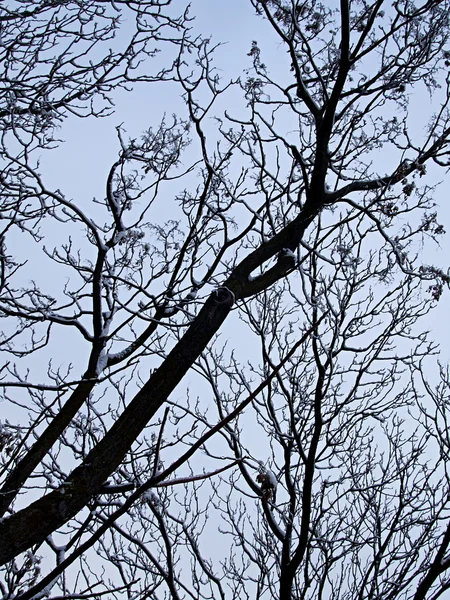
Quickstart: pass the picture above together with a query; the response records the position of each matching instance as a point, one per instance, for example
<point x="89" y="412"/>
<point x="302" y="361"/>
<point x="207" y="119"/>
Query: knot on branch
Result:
<point x="223" y="296"/>
<point x="286" y="258"/>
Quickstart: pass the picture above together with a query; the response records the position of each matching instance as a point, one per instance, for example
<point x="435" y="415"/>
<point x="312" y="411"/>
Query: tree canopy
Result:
<point x="254" y="369"/>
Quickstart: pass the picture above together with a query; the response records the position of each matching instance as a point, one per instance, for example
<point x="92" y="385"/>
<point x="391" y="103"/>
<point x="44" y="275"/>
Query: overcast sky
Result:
<point x="80" y="166"/>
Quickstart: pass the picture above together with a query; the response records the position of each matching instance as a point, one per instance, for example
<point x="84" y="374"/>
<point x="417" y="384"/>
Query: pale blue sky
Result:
<point x="80" y="166"/>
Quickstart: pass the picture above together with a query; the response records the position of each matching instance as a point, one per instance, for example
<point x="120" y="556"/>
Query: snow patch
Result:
<point x="101" y="362"/>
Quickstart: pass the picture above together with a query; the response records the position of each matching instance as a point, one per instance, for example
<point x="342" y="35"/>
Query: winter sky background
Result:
<point x="80" y="166"/>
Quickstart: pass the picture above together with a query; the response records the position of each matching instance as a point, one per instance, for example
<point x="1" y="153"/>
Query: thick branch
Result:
<point x="33" y="457"/>
<point x="33" y="524"/>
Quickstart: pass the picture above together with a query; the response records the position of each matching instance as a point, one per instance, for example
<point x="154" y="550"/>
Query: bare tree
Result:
<point x="315" y="442"/>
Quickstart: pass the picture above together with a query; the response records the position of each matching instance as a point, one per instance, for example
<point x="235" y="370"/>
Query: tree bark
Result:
<point x="33" y="524"/>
